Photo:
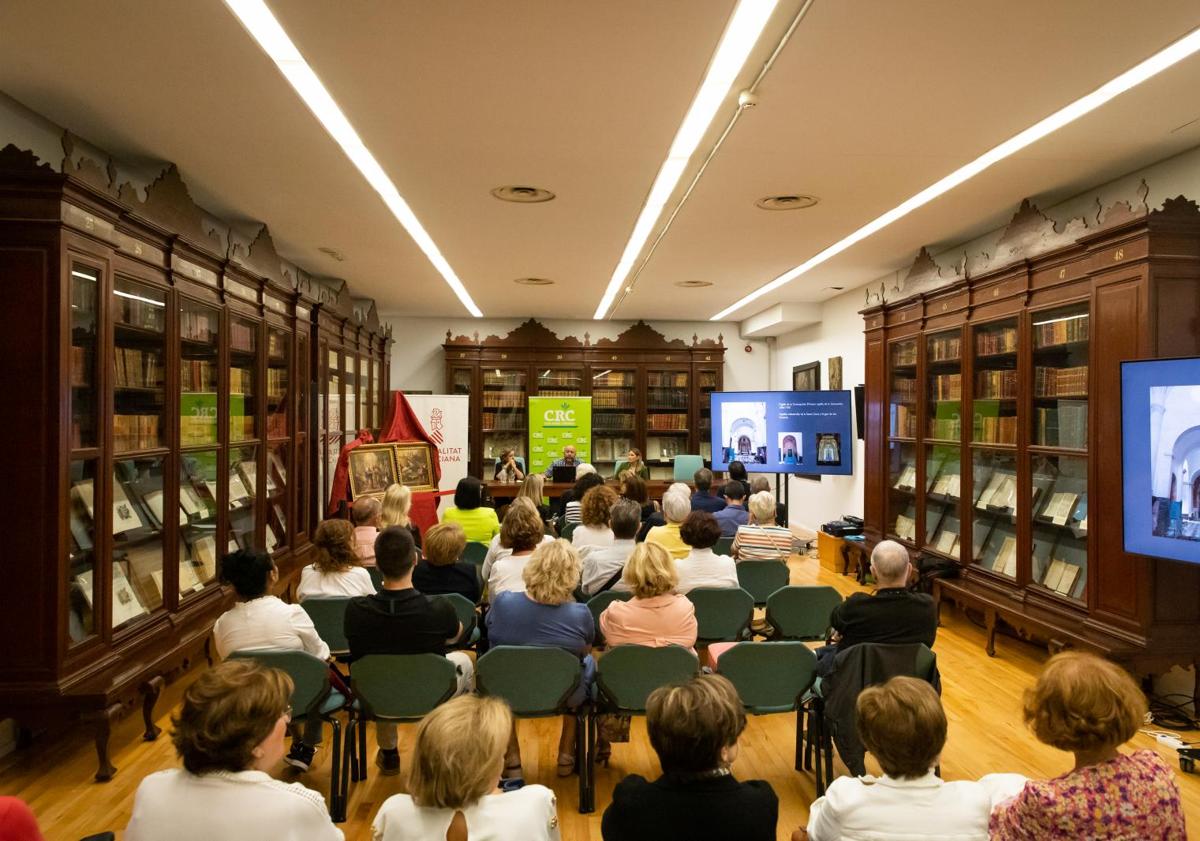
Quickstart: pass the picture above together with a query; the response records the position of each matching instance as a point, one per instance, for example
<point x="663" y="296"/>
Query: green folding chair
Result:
<point x="395" y="688"/>
<point x="329" y="617"/>
<point x="474" y="553"/>
<point x="466" y="615"/>
<point x="723" y="546"/>
<point x="772" y="677"/>
<point x="312" y="695"/>
<point x="722" y="615"/>
<point x="376" y="578"/>
<point x="627" y="674"/>
<point x="597" y="604"/>
<point x="567" y="530"/>
<point x="537" y="682"/>
<point x="801" y="613"/>
<point x="762" y="578"/>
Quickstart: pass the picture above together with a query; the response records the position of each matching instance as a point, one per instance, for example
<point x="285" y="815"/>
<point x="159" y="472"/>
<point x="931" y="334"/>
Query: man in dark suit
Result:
<point x="702" y="499"/>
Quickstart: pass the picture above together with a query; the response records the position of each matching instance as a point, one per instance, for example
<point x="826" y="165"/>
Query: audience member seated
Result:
<point x="262" y="621"/>
<point x="737" y="472"/>
<point x="634" y="488"/>
<point x="893" y="614"/>
<point x="496" y="549"/>
<point x="401" y="620"/>
<point x="442" y="571"/>
<point x="365" y="518"/>
<point x="734" y="513"/>
<point x="703" y="568"/>
<point x="397" y="503"/>
<point x="547" y="614"/>
<point x="507" y="468"/>
<point x="229" y="735"/>
<point x="17" y="822"/>
<point x="533" y="490"/>
<point x="656" y="615"/>
<point x="657" y="518"/>
<point x="1089" y="707"/>
<point x="761" y="539"/>
<point x="457" y="758"/>
<point x="478" y="521"/>
<point x="694" y="729"/>
<point x="762" y="484"/>
<point x="521" y="533"/>
<point x="336" y="572"/>
<point x="676" y="507"/>
<point x="604" y="567"/>
<point x="634" y="465"/>
<point x="702" y="499"/>
<point x="568" y="460"/>
<point x="902" y="724"/>
<point x="586" y="478"/>
<point x="593" y="527"/>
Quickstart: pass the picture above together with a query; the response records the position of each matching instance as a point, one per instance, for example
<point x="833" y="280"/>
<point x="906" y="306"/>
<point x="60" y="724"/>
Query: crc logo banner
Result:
<point x="554" y="423"/>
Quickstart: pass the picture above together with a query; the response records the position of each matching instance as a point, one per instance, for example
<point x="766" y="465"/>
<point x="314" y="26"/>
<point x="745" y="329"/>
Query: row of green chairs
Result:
<point x="329" y="617"/>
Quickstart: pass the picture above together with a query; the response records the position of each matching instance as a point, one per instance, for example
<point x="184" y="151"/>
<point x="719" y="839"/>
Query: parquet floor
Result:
<point x="982" y="696"/>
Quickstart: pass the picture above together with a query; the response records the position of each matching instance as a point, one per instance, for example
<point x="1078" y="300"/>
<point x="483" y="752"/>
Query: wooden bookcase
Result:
<point x="161" y="396"/>
<point x="993" y="428"/>
<point x="647" y="391"/>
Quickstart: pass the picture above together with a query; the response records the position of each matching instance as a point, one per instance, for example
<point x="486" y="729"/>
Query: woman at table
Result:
<point x="634" y="464"/>
<point x="507" y="468"/>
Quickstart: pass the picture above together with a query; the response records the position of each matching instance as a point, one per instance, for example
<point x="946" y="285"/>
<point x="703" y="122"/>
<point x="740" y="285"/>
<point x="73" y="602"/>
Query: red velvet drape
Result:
<point x="339" y="493"/>
<point x="403" y="426"/>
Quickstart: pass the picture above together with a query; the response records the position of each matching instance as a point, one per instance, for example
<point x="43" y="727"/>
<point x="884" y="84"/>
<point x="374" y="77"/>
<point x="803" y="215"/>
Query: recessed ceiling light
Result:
<point x="270" y="35"/>
<point x="1155" y="64"/>
<point x="332" y="252"/>
<point x="741" y="34"/>
<point x="693" y="284"/>
<point x="522" y="194"/>
<point x="797" y="201"/>
<point x="836" y="288"/>
<point x="534" y="281"/>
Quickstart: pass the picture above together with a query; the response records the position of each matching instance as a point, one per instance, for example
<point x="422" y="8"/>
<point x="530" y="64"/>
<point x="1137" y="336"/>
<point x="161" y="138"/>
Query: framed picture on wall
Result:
<point x="835" y="373"/>
<point x="807" y="377"/>
<point x="372" y="469"/>
<point x="414" y="460"/>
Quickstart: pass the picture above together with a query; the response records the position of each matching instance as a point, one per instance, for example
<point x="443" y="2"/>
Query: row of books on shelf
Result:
<point x="1063" y="426"/>
<point x="614" y="379"/>
<point x="602" y="399"/>
<point x="566" y="379"/>
<point x="667" y="379"/>
<point x="241" y="380"/>
<point x="947" y="429"/>
<point x="990" y="342"/>
<point x="514" y="379"/>
<point x="945" y="348"/>
<point x="241" y="336"/>
<point x="557" y="392"/>
<point x="666" y="422"/>
<point x="904" y="421"/>
<point x="1061" y="331"/>
<point x="667" y="398"/>
<point x="277" y="380"/>
<point x="996" y="384"/>
<point x="197" y="375"/>
<point x="135" y="432"/>
<point x="498" y="421"/>
<point x="137" y="368"/>
<point x="946" y="387"/>
<point x="996" y="430"/>
<point x="503" y="400"/>
<point x="612" y="423"/>
<point x="1060" y="382"/>
<point x="276" y="345"/>
<point x="904" y="389"/>
<point x="144" y="315"/>
<point x="707" y="380"/>
<point x="198" y="326"/>
<point x="904" y="353"/>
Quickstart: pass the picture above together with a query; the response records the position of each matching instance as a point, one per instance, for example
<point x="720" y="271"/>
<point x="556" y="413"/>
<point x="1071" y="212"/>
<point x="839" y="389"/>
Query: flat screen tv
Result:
<point x="783" y="431"/>
<point x="1160" y="441"/>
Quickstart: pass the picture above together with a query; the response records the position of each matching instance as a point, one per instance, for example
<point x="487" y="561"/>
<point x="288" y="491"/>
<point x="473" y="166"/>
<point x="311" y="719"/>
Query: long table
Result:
<point x="507" y="490"/>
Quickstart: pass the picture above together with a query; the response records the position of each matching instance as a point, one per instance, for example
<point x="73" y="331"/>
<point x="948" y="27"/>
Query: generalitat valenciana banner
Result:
<point x="444" y="417"/>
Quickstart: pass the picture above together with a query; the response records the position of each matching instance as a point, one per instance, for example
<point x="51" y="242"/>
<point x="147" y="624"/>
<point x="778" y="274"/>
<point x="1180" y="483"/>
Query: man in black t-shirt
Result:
<point x="400" y="620"/>
<point x="894" y="614"/>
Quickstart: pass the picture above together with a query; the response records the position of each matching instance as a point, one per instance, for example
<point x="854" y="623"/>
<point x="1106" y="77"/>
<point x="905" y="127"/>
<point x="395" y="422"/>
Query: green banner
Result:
<point x="555" y="422"/>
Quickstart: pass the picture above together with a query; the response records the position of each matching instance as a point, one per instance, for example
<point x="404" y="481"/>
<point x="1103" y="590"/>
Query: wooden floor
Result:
<point x="982" y="697"/>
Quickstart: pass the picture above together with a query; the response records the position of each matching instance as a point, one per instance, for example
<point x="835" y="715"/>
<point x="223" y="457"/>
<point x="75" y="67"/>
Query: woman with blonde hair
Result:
<point x="397" y="503"/>
<point x="336" y="572"/>
<point x="533" y="490"/>
<point x="546" y="614"/>
<point x="1089" y="707"/>
<point x="442" y="571"/>
<point x="656" y="615"/>
<point x="456" y="763"/>
<point x="593" y="529"/>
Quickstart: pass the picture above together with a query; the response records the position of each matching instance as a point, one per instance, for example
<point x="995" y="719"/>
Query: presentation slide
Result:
<point x="1160" y="436"/>
<point x="783" y="431"/>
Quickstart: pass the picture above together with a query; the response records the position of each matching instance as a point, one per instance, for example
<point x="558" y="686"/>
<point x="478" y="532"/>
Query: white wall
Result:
<point x="418" y="363"/>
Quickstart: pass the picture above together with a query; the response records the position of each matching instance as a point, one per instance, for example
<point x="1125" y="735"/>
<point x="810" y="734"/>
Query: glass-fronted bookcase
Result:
<point x="997" y="400"/>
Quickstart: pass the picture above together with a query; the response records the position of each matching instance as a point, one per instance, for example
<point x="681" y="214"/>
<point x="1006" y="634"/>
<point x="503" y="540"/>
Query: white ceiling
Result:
<point x="870" y="102"/>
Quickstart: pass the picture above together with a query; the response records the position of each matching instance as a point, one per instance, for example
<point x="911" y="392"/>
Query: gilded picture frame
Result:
<point x="414" y="465"/>
<point x="372" y="469"/>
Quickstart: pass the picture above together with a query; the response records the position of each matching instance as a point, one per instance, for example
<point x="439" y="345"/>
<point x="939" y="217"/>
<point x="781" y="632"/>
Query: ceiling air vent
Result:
<point x="522" y="194"/>
<point x="792" y="202"/>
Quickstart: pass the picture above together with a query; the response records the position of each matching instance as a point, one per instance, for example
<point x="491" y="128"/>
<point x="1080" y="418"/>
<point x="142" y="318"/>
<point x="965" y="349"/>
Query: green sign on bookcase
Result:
<point x="555" y="422"/>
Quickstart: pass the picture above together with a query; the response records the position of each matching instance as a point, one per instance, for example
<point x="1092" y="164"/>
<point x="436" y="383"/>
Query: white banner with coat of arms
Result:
<point x="444" y="417"/>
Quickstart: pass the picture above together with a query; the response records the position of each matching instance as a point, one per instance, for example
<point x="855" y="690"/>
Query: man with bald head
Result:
<point x="893" y="614"/>
<point x="364" y="516"/>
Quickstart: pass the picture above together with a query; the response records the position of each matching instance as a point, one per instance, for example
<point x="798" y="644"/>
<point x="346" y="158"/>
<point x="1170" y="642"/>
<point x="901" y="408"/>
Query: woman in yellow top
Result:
<point x="478" y="521"/>
<point x="676" y="507"/>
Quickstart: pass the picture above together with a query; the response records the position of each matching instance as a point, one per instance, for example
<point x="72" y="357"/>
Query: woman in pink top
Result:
<point x="655" y="616"/>
<point x="1089" y="707"/>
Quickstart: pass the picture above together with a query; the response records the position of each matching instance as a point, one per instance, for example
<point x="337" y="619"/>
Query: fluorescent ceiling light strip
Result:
<point x="265" y="29"/>
<point x="1131" y="78"/>
<point x="741" y="34"/>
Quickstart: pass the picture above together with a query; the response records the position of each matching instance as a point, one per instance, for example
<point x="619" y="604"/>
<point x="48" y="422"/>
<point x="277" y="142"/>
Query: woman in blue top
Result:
<point x="547" y="614"/>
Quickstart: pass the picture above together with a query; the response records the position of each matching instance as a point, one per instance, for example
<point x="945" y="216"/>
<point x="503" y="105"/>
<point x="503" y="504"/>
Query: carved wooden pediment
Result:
<point x="169" y="205"/>
<point x="87" y="169"/>
<point x="259" y="257"/>
<point x="1180" y="207"/>
<point x="641" y="336"/>
<point x="14" y="161"/>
